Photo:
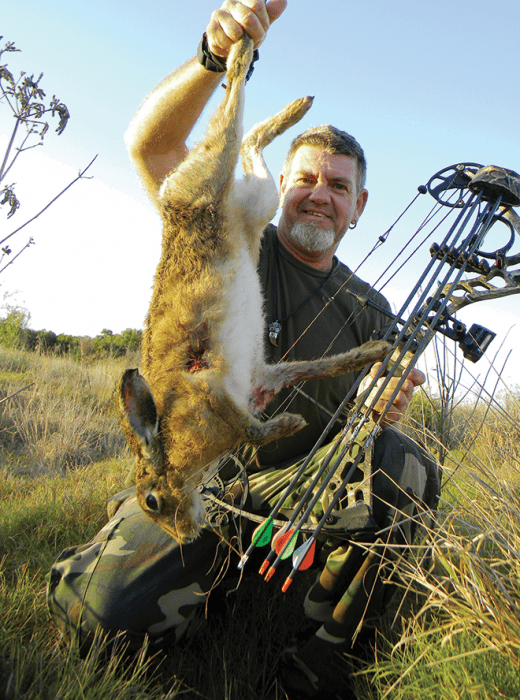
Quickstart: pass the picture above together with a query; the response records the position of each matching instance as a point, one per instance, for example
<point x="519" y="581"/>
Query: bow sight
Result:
<point x="478" y="198"/>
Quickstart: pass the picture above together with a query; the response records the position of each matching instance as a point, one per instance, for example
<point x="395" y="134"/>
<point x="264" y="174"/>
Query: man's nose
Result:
<point x="320" y="192"/>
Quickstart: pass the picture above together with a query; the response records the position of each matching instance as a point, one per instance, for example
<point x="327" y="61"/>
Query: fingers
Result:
<point x="275" y="8"/>
<point x="235" y="17"/>
<point x="396" y="410"/>
<point x="417" y="377"/>
<point x="400" y="403"/>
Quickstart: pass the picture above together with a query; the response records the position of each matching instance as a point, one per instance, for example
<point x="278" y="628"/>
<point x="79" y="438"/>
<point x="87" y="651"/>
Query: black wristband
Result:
<point x="209" y="60"/>
<point x="214" y="63"/>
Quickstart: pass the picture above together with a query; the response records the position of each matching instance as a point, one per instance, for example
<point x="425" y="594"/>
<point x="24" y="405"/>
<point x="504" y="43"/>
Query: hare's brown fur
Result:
<point x="204" y="380"/>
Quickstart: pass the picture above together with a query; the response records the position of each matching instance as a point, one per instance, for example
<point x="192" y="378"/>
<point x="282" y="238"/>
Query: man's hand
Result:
<point x="401" y="401"/>
<point x="235" y="17"/>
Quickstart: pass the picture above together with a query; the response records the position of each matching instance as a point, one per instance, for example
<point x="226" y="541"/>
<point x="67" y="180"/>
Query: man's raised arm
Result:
<point x="156" y="138"/>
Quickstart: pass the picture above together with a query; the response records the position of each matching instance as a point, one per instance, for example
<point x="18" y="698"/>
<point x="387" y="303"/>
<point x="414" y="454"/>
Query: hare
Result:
<point x="205" y="381"/>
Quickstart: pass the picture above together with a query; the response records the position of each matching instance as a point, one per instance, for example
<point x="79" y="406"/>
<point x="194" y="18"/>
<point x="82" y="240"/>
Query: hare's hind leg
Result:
<point x="257" y="194"/>
<point x="238" y="62"/>
<point x="263" y="133"/>
<point x="284" y="374"/>
<point x="209" y="167"/>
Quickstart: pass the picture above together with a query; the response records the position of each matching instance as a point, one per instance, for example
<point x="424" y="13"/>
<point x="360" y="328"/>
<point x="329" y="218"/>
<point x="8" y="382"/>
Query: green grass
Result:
<point x="458" y="634"/>
<point x="447" y="667"/>
<point x="54" y="513"/>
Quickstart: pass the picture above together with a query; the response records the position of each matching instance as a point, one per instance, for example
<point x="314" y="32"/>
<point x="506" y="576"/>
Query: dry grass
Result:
<point x="66" y="416"/>
<point x="463" y="639"/>
<point x="62" y="457"/>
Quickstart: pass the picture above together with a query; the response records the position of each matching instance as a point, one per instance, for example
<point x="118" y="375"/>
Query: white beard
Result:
<point x="312" y="238"/>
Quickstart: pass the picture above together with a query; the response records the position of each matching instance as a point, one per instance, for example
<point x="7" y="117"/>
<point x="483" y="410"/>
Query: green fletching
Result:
<point x="262" y="534"/>
<point x="290" y="547"/>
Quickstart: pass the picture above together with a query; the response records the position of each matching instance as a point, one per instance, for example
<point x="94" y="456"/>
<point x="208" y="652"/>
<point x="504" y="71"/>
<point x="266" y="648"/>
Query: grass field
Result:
<point x="62" y="456"/>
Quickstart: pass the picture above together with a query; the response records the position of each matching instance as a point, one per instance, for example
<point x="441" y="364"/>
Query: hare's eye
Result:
<point x="152" y="503"/>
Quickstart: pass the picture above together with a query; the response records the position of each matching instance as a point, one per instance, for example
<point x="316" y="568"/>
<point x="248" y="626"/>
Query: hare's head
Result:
<point x="166" y="491"/>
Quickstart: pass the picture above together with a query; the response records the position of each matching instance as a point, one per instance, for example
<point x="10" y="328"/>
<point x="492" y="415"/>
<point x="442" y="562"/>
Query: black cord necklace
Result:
<point x="275" y="327"/>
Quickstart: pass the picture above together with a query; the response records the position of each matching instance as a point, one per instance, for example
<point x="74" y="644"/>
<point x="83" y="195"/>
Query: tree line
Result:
<point x="16" y="334"/>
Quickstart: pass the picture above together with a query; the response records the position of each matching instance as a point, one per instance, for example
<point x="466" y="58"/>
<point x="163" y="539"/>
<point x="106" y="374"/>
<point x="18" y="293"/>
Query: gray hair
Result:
<point x="333" y="141"/>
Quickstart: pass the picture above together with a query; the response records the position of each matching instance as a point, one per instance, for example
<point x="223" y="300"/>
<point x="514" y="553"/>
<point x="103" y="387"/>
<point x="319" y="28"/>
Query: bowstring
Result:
<point x="480" y="220"/>
<point x="330" y="299"/>
<point x="481" y="224"/>
<point x="379" y="242"/>
<point x="338" y="415"/>
<point x="468" y="215"/>
<point x="381" y="239"/>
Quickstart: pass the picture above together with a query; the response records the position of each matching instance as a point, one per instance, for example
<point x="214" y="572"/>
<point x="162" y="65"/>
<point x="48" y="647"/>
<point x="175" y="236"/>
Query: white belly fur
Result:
<point x="241" y="333"/>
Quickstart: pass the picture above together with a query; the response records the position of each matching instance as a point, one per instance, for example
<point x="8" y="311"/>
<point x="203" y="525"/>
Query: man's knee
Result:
<point x="405" y="477"/>
<point x="132" y="577"/>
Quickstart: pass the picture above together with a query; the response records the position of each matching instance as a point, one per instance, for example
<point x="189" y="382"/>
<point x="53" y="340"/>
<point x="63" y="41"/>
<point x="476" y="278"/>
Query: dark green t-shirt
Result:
<point x="318" y="327"/>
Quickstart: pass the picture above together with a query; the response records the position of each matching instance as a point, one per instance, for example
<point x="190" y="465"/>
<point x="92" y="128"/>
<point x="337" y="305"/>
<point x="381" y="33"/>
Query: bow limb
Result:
<point x="481" y="289"/>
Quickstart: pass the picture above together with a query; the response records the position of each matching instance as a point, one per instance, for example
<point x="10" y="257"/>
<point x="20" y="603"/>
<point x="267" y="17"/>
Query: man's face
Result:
<point x="319" y="199"/>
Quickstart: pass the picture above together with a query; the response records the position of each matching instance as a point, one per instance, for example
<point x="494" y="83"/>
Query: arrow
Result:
<point x="302" y="559"/>
<point x="284" y="543"/>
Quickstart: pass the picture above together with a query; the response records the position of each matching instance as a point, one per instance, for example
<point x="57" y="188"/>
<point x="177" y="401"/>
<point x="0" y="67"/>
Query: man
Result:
<point x="134" y="577"/>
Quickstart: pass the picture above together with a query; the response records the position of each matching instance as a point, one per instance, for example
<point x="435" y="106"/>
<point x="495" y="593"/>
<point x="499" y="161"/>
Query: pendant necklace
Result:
<point x="275" y="327"/>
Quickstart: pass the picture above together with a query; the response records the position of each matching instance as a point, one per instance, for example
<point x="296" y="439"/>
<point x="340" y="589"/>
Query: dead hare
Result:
<point x="205" y="381"/>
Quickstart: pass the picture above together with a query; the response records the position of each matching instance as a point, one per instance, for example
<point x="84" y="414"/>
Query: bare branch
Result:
<point x="7" y="251"/>
<point x="5" y="167"/>
<point x="27" y="101"/>
<point x="79" y="177"/>
<point x="19" y="149"/>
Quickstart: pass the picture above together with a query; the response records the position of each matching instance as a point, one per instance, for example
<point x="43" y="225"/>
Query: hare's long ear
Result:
<point x="139" y="419"/>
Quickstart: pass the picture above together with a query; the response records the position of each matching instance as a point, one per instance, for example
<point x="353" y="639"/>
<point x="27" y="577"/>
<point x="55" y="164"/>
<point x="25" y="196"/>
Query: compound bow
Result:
<point x="479" y="198"/>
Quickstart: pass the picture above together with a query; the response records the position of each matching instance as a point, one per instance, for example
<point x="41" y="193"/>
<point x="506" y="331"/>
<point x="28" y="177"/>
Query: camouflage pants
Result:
<point x="133" y="577"/>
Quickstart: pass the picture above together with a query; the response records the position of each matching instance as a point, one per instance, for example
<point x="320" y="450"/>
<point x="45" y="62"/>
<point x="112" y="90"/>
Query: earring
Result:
<point x="353" y="224"/>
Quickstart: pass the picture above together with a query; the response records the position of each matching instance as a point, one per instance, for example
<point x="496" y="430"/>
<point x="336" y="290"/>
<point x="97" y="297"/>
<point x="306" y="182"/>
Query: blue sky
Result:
<point x="422" y="85"/>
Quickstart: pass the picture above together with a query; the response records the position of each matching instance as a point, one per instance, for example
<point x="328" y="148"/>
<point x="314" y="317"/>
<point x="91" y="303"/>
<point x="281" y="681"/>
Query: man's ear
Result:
<point x="361" y="203"/>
